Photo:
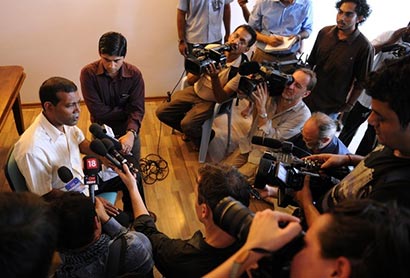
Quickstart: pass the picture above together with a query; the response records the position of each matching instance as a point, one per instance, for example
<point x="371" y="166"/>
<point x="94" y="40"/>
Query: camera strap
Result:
<point x="234" y="70"/>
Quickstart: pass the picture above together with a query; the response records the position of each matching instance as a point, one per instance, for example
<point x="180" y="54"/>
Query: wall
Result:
<point x="58" y="37"/>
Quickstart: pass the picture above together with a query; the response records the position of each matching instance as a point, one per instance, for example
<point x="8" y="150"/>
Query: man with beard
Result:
<point x="341" y="57"/>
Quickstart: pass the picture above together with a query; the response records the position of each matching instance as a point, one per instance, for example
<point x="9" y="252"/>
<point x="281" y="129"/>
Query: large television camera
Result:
<point x="280" y="168"/>
<point x="254" y="74"/>
<point x="235" y="218"/>
<point x="200" y="58"/>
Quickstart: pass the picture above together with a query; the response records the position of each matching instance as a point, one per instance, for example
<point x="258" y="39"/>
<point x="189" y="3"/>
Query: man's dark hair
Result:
<point x="362" y="8"/>
<point x="112" y="44"/>
<point x="251" y="31"/>
<point x="76" y="213"/>
<point x="374" y="237"/>
<point x="49" y="89"/>
<point x="217" y="181"/>
<point x="391" y="84"/>
<point x="28" y="235"/>
<point x="313" y="78"/>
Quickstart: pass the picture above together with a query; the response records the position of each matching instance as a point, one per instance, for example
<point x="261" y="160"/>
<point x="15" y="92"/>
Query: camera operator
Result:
<point x="384" y="174"/>
<point x="360" y="238"/>
<point x="202" y="252"/>
<point x="190" y="108"/>
<point x="278" y="117"/>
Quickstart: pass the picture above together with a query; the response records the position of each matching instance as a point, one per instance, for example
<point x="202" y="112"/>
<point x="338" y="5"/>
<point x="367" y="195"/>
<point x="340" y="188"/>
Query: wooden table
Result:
<point x="11" y="80"/>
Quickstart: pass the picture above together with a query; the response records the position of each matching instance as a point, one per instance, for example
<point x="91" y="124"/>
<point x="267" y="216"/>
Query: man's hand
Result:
<point x="127" y="177"/>
<point x="260" y="97"/>
<point x="277" y="237"/>
<point x="109" y="208"/>
<point x="183" y="48"/>
<point x="304" y="196"/>
<point x="101" y="211"/>
<point x="127" y="142"/>
<point x="212" y="70"/>
<point x="329" y="160"/>
<point x="274" y="40"/>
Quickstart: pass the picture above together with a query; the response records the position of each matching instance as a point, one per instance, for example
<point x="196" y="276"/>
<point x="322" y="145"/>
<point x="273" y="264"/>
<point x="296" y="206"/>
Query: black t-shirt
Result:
<point x="380" y="176"/>
<point x="182" y="258"/>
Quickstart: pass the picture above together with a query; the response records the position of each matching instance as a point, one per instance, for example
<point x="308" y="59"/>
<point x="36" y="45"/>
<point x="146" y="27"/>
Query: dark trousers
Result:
<point x="354" y="119"/>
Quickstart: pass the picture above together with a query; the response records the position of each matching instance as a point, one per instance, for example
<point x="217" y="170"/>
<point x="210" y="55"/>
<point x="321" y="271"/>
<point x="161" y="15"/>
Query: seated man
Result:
<point x="84" y="241"/>
<point x="53" y="140"/>
<point x="382" y="175"/>
<point x="318" y="136"/>
<point x="114" y="93"/>
<point x="278" y="117"/>
<point x="191" y="107"/>
<point x="201" y="253"/>
<point x="360" y="238"/>
<point x="28" y="229"/>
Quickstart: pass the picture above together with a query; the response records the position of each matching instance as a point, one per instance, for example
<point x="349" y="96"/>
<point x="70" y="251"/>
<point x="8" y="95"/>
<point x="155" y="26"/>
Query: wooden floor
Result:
<point x="172" y="198"/>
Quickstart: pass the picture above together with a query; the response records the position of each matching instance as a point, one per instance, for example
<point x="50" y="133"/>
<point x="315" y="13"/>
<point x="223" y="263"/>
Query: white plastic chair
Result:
<point x="219" y="109"/>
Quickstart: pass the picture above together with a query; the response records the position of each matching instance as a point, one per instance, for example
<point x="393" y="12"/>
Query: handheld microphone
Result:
<point x="249" y="68"/>
<point x="98" y="147"/>
<point x="99" y="133"/>
<point x="112" y="151"/>
<point x="91" y="166"/>
<point x="72" y="184"/>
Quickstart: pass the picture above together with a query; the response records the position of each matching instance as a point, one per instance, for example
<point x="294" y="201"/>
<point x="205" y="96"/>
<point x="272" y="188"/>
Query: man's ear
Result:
<point x="343" y="268"/>
<point x="360" y="19"/>
<point x="306" y="93"/>
<point x="325" y="140"/>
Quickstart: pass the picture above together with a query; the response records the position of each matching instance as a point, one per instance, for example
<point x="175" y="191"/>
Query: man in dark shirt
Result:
<point x="384" y="174"/>
<point x="202" y="252"/>
<point x="341" y="58"/>
<point x="114" y="92"/>
<point x="318" y="136"/>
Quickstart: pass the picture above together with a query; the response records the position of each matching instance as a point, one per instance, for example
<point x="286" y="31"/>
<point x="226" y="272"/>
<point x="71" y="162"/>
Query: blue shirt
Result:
<point x="273" y="17"/>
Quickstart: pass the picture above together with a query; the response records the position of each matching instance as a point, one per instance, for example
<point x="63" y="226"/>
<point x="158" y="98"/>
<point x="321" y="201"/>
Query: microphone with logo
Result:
<point x="72" y="183"/>
<point x="99" y="133"/>
<point x="91" y="166"/>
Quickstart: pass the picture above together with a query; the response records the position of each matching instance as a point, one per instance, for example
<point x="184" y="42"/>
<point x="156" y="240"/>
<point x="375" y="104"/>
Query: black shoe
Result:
<point x="153" y="215"/>
<point x="197" y="143"/>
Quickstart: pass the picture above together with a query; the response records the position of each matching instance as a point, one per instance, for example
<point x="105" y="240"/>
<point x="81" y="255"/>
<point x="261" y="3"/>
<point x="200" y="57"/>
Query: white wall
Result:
<point x="58" y="37"/>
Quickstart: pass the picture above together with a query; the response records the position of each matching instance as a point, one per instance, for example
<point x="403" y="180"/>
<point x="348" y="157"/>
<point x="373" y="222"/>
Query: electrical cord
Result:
<point x="153" y="167"/>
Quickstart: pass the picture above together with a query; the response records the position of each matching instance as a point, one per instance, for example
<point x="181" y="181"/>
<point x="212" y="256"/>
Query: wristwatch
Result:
<point x="133" y="132"/>
<point x="263" y="115"/>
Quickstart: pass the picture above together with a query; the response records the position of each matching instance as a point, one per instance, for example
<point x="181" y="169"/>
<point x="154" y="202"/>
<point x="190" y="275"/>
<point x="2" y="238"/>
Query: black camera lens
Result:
<point x="233" y="217"/>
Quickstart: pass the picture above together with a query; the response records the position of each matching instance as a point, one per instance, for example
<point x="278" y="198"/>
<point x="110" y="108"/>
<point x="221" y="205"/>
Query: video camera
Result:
<point x="254" y="74"/>
<point x="200" y="58"/>
<point x="286" y="171"/>
<point x="398" y="49"/>
<point x="235" y="218"/>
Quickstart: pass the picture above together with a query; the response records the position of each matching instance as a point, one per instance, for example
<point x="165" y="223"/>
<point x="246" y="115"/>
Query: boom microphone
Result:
<point x="72" y="183"/>
<point x="99" y="133"/>
<point x="267" y="142"/>
<point x="98" y="147"/>
<point x="249" y="68"/>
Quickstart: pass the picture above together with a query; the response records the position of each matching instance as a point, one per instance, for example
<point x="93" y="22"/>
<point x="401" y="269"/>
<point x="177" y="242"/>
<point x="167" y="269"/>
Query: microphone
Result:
<point x="98" y="147"/>
<point x="249" y="68"/>
<point x="286" y="146"/>
<point x="112" y="151"/>
<point x="267" y="142"/>
<point x="72" y="184"/>
<point x="99" y="133"/>
<point x="91" y="166"/>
